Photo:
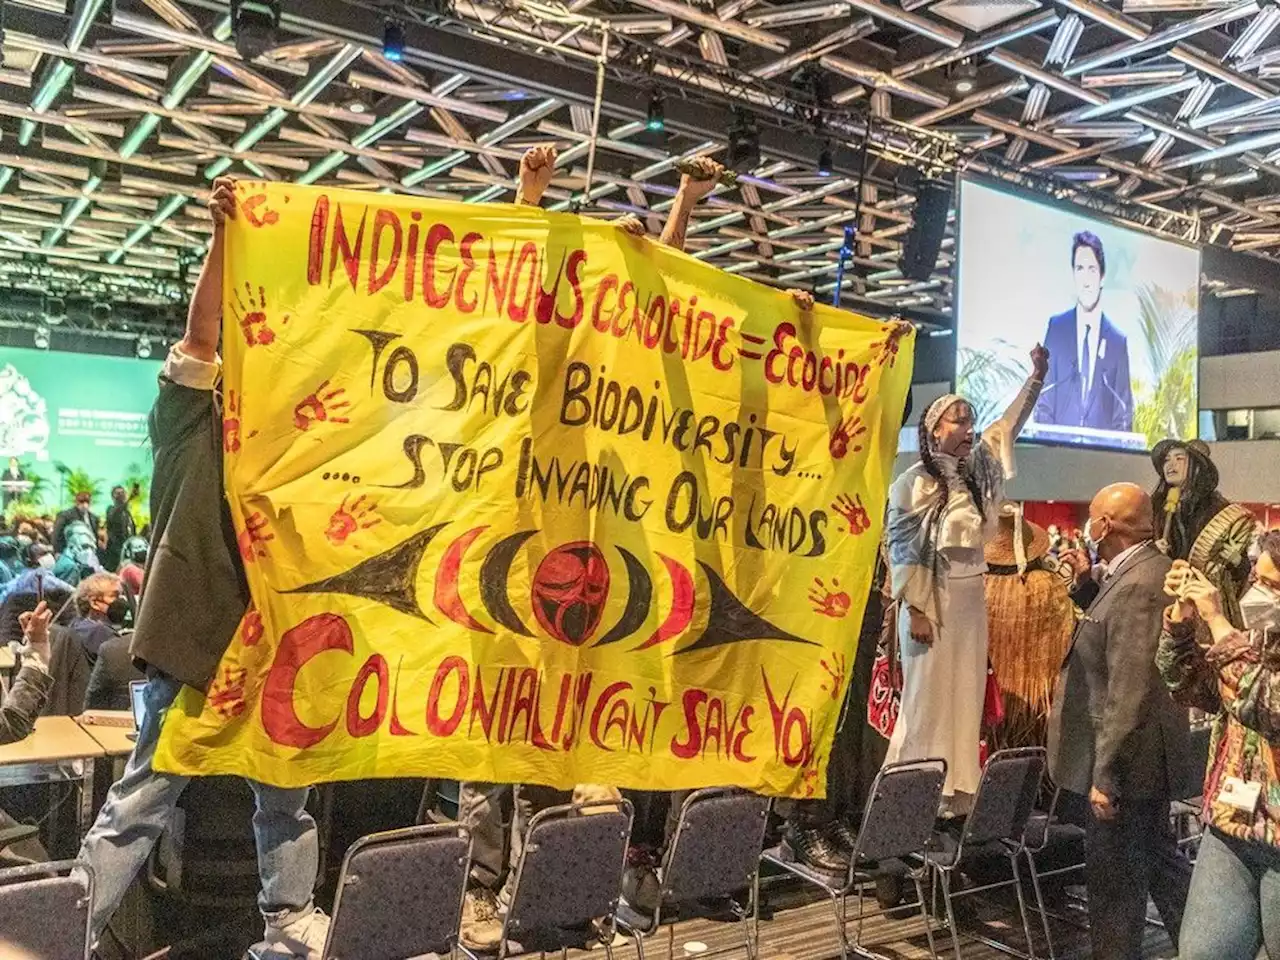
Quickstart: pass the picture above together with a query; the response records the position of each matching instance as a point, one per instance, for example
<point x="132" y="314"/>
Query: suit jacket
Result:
<point x="71" y="515"/>
<point x="120" y="527"/>
<point x="109" y="679"/>
<point x="1114" y="724"/>
<point x="1109" y="405"/>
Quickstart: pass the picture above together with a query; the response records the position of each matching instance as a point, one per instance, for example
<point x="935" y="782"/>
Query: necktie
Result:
<point x="1086" y="357"/>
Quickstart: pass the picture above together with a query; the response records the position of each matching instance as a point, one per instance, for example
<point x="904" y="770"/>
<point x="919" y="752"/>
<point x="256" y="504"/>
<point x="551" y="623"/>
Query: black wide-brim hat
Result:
<point x="1198" y="450"/>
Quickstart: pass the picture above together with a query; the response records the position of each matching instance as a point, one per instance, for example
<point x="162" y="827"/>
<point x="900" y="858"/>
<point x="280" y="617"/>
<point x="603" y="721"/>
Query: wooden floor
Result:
<point x="794" y="926"/>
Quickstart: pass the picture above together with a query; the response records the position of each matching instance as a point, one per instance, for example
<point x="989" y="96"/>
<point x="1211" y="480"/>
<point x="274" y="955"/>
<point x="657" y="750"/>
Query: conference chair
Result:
<point x="1043" y="831"/>
<point x="400" y="894"/>
<point x="714" y="855"/>
<point x="44" y="911"/>
<point x="568" y="881"/>
<point x="895" y="832"/>
<point x="996" y="827"/>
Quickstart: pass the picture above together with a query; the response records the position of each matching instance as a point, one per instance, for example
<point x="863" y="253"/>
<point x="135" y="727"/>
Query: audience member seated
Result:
<point x="25" y="591"/>
<point x="10" y="559"/>
<point x="80" y="557"/>
<point x="100" y="611"/>
<point x="133" y="561"/>
<point x="79" y="513"/>
<point x="18" y="711"/>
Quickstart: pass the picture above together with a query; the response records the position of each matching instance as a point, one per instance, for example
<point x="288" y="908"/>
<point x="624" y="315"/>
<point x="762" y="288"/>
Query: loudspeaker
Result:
<point x="928" y="226"/>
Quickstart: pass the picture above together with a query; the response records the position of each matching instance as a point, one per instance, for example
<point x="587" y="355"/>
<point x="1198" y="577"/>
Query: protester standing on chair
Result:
<point x="1118" y="744"/>
<point x="195" y="596"/>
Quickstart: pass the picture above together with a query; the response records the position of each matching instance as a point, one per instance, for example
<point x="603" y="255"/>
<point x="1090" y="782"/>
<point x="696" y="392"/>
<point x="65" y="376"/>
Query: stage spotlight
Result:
<point x="393" y="41"/>
<point x="144" y="347"/>
<point x="964" y="76"/>
<point x="744" y="143"/>
<point x="656" y="121"/>
<point x="55" y="309"/>
<point x="254" y="24"/>
<point x="41" y="338"/>
<point x="824" y="161"/>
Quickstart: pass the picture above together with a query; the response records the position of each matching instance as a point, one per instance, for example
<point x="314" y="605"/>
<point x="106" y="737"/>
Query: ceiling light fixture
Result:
<point x="964" y="76"/>
<point x="393" y="41"/>
<point x="656" y="119"/>
<point x="254" y="24"/>
<point x="744" y="142"/>
<point x="824" y="161"/>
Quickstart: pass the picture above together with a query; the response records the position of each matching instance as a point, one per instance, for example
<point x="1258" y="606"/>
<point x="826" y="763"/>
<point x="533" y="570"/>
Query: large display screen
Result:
<point x="64" y="413"/>
<point x="1116" y="308"/>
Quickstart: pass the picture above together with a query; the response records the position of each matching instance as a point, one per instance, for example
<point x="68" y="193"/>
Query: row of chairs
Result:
<point x="400" y="893"/>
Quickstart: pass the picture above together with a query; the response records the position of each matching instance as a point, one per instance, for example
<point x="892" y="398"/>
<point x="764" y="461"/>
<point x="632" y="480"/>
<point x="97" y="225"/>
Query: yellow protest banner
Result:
<point x="524" y="498"/>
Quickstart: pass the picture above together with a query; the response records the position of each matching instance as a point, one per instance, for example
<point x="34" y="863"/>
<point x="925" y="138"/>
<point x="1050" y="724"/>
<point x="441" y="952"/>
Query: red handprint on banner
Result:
<point x="888" y="347"/>
<point x="254" y="537"/>
<point x="844" y="436"/>
<point x="320" y="407"/>
<point x="853" y="512"/>
<point x="826" y="602"/>
<point x="347" y="520"/>
<point x="252" y="317"/>
<point x="253" y="629"/>
<point x="256" y="211"/>
<point x="836" y="670"/>
<point x="231" y="423"/>
<point x="226" y="695"/>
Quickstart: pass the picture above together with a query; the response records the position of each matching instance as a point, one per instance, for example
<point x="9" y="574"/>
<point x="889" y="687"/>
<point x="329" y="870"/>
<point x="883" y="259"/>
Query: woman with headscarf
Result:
<point x="941" y="512"/>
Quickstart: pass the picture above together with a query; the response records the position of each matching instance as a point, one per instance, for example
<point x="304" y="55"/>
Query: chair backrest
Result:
<point x="716" y="848"/>
<point x="1006" y="796"/>
<point x="570" y="872"/>
<point x="400" y="894"/>
<point x="44" y="911"/>
<point x="900" y="816"/>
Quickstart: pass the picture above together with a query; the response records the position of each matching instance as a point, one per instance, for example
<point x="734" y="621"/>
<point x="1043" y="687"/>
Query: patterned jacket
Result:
<point x="1238" y="681"/>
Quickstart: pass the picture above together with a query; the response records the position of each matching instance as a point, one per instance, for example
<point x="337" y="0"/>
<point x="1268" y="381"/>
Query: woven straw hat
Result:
<point x="1035" y="540"/>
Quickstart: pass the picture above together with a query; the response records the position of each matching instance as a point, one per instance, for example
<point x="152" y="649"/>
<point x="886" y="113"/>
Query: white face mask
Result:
<point x="46" y="562"/>
<point x="1260" y="608"/>
<point x="1089" y="541"/>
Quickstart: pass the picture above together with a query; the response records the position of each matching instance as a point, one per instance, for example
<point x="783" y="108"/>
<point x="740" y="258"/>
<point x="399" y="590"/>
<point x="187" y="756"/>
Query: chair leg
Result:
<point x="1044" y="913"/>
<point x="945" y="882"/>
<point x="924" y="915"/>
<point x="837" y="905"/>
<point x="671" y="941"/>
<point x="753" y="920"/>
<point x="1022" y="907"/>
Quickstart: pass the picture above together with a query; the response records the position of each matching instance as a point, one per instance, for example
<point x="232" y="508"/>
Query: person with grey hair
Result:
<point x="942" y="511"/>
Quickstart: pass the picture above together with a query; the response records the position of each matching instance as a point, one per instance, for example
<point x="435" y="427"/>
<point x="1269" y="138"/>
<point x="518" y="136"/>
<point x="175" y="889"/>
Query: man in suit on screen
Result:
<point x="1088" y="382"/>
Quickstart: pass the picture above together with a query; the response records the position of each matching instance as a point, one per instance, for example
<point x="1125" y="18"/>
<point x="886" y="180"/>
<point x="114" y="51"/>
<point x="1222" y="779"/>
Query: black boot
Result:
<point x="816" y="848"/>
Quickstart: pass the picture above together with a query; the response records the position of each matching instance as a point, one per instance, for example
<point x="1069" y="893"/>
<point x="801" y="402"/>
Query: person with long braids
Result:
<point x="942" y="511"/>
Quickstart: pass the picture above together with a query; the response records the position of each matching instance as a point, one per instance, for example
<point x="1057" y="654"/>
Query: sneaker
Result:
<point x="845" y="835"/>
<point x="301" y="938"/>
<point x="640" y="886"/>
<point x="481" y="923"/>
<point x="815" y="848"/>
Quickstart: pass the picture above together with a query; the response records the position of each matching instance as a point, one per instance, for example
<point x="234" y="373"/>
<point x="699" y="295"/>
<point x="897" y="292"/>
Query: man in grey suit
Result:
<point x="1117" y="741"/>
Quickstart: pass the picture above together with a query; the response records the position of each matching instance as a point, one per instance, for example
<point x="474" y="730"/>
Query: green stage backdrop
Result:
<point x="78" y="412"/>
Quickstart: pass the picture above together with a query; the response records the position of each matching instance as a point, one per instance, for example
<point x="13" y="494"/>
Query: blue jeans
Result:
<point x="1234" y="906"/>
<point x="141" y="804"/>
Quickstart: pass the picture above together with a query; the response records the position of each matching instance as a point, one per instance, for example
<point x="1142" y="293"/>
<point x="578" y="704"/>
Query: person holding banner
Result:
<point x="941" y="512"/>
<point x="196" y="595"/>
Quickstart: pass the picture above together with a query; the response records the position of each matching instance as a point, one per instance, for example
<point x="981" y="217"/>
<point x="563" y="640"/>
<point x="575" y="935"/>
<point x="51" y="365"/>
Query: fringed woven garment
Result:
<point x="1030" y="618"/>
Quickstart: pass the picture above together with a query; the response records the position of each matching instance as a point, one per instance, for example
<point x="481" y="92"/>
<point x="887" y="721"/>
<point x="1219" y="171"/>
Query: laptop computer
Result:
<point x="138" y="704"/>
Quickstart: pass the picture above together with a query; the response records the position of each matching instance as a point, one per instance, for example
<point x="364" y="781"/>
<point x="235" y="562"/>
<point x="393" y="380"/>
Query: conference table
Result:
<point x="67" y="750"/>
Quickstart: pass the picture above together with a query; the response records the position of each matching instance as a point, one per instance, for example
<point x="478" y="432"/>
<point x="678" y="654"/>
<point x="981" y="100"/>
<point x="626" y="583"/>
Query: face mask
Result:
<point x="118" y="612"/>
<point x="88" y="557"/>
<point x="1260" y="608"/>
<point x="46" y="562"/>
<point x="1089" y="540"/>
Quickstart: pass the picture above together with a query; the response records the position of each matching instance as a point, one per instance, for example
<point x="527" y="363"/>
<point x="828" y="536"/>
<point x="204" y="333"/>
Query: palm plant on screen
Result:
<point x="1167" y="322"/>
<point x="988" y="378"/>
<point x="138" y="476"/>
